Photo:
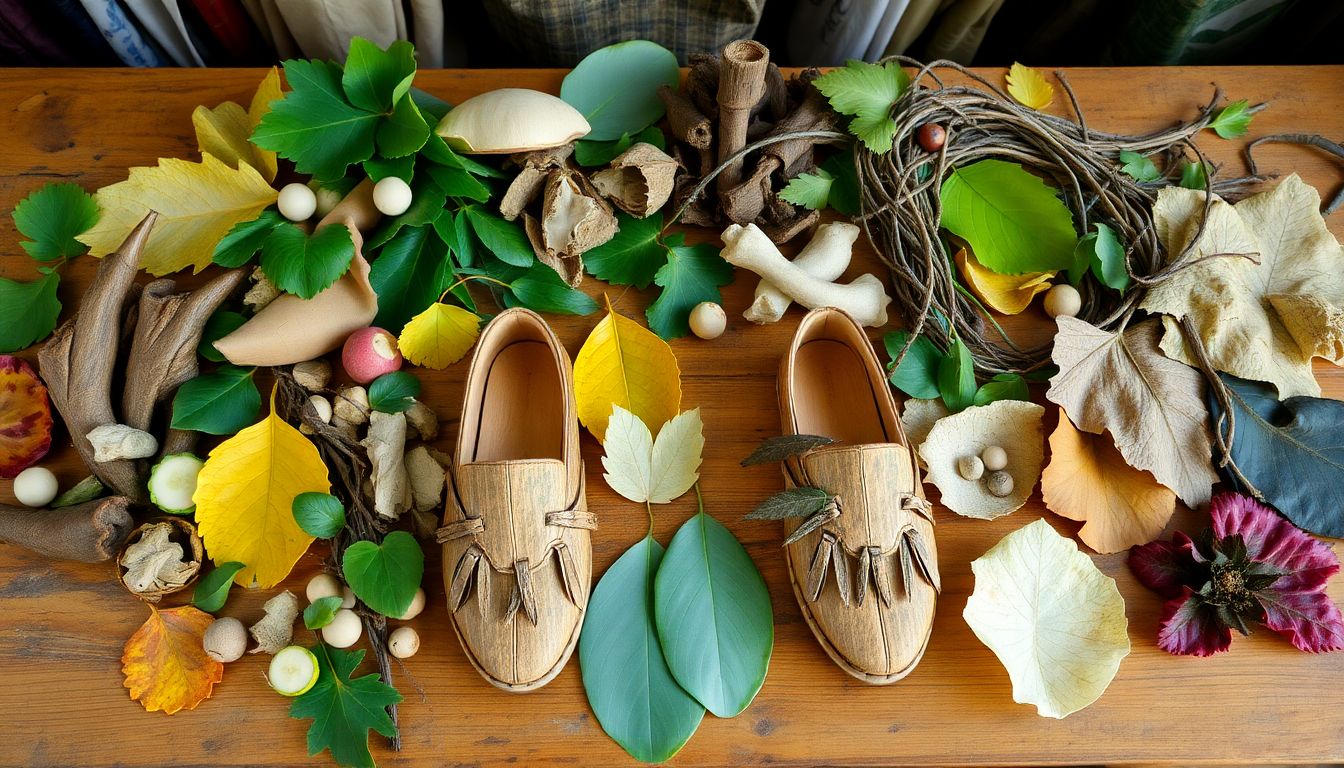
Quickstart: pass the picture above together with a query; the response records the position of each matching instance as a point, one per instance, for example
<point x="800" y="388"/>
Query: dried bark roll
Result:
<point x="741" y="85"/>
<point x="688" y="123"/>
<point x="90" y="532"/>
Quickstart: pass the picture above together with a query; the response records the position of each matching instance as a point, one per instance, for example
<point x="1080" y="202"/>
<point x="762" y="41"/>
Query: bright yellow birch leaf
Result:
<point x="165" y="666"/>
<point x="439" y="336"/>
<point x="1029" y="87"/>
<point x="245" y="494"/>
<point x="197" y="203"/>
<point x="1005" y="294"/>
<point x="1089" y="481"/>
<point x="224" y="131"/>
<point x="622" y="363"/>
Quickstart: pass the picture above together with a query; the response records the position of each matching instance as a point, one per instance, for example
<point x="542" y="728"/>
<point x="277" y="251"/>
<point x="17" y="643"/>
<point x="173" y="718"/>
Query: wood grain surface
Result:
<point x="62" y="625"/>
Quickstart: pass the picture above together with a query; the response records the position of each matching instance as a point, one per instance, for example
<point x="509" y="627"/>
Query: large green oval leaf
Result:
<point x="714" y="618"/>
<point x="616" y="88"/>
<point x="629" y="686"/>
<point x="385" y="576"/>
<point x="1012" y="219"/>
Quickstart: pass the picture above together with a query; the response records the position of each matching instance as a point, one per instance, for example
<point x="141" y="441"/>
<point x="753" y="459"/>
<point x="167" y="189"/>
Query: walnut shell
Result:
<point x="180" y="532"/>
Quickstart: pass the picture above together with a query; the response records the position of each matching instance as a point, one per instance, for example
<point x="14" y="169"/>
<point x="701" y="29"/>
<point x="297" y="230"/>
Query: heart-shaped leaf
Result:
<point x="385" y="576"/>
<point x="304" y="264"/>
<point x="212" y="591"/>
<point x="320" y="515"/>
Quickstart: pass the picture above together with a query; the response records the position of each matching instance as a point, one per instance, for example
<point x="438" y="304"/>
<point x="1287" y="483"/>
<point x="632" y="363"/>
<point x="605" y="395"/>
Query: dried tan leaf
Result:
<point x="1012" y="425"/>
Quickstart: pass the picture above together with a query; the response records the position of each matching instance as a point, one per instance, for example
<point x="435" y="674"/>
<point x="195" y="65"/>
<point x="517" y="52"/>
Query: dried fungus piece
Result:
<point x="574" y="217"/>
<point x="155" y="562"/>
<point x="25" y="417"/>
<point x="639" y="181"/>
<point x="386" y="446"/>
<point x="276" y="628"/>
<point x="1010" y="423"/>
<point x="533" y="170"/>
<point x="918" y="417"/>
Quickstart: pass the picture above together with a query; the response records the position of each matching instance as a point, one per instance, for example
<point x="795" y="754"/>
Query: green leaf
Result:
<point x="410" y="273"/>
<point x="28" y="311"/>
<point x="1004" y="386"/>
<point x="616" y="87"/>
<point x="1194" y="175"/>
<point x="1102" y="253"/>
<point x="393" y="392"/>
<point x="1289" y="450"/>
<point x="867" y="92"/>
<point x="714" y="617"/>
<point x="427" y="204"/>
<point x="320" y="515"/>
<point x="304" y="264"/>
<point x="51" y="217"/>
<point x="436" y="150"/>
<point x="633" y="256"/>
<point x="87" y="489"/>
<point x="1138" y="167"/>
<point x="431" y="106"/>
<point x="404" y="132"/>
<point x="783" y="447"/>
<point x="956" y="377"/>
<point x="219" y="403"/>
<point x="455" y="230"/>
<point x="344" y="710"/>
<point x="810" y="190"/>
<point x="631" y="690"/>
<point x="917" y="375"/>
<point x="589" y="153"/>
<point x="314" y="126"/>
<point x="844" y="192"/>
<point x="379" y="168"/>
<point x="692" y="274"/>
<point x="212" y="591"/>
<point x="540" y="289"/>
<point x="794" y="502"/>
<point x="220" y="324"/>
<point x="1012" y="220"/>
<point x="504" y="239"/>
<point x="245" y="239"/>
<point x="456" y="182"/>
<point x="321" y="611"/>
<point x="375" y="79"/>
<point x="385" y="576"/>
<point x="1233" y="120"/>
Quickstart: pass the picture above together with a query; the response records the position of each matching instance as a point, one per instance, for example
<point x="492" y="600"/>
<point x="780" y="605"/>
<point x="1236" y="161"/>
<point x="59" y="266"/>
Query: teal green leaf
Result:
<point x="692" y="274"/>
<point x="1194" y="175"/>
<point x="1233" y="120"/>
<point x="633" y="256"/>
<point x="404" y="132"/>
<point x="320" y="515"/>
<point x="430" y="105"/>
<point x="313" y="126"/>
<point x="810" y="190"/>
<point x="375" y="79"/>
<point x="505" y="239"/>
<point x="1290" y="450"/>
<point x="212" y="591"/>
<point x="844" y="191"/>
<point x="1004" y="386"/>
<point x="589" y="153"/>
<point x="1102" y="253"/>
<point x="345" y="709"/>
<point x="917" y="375"/>
<point x="616" y="87"/>
<point x="1012" y="219"/>
<point x="218" y="403"/>
<point x="410" y="273"/>
<point x="385" y="576"/>
<point x="1138" y="167"/>
<point x="220" y="324"/>
<point x="51" y="217"/>
<point x="304" y="264"/>
<point x="956" y="377"/>
<point x="28" y="311"/>
<point x="379" y="168"/>
<point x="456" y="182"/>
<point x="321" y="611"/>
<point x="629" y="686"/>
<point x="867" y="92"/>
<point x="393" y="392"/>
<point x="245" y="239"/>
<point x="540" y="289"/>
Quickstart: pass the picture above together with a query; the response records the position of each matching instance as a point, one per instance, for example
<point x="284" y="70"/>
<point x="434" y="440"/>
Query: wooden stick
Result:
<point x="90" y="532"/>
<point x="741" y="85"/>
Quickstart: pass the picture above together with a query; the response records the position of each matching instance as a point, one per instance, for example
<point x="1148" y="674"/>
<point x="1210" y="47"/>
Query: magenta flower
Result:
<point x="1252" y="565"/>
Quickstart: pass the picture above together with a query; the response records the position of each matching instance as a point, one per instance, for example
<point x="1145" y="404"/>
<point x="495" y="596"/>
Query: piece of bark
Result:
<point x="812" y="114"/>
<point x="639" y="180"/>
<point x="782" y="221"/>
<point x="744" y="203"/>
<point x="91" y="532"/>
<point x="774" y="103"/>
<point x="741" y="86"/>
<point x="688" y="123"/>
<point x="702" y="84"/>
<point x="701" y="212"/>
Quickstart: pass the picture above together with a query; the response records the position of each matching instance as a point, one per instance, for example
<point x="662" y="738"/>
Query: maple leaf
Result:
<point x="166" y="667"/>
<point x="344" y="710"/>
<point x="314" y="125"/>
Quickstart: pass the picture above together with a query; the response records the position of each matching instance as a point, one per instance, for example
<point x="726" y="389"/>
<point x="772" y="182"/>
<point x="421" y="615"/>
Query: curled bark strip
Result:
<point x="688" y="123"/>
<point x="89" y="533"/>
<point x="1306" y="140"/>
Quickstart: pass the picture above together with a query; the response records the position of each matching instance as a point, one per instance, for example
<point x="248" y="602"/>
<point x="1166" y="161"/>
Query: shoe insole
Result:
<point x="833" y="395"/>
<point x="522" y="408"/>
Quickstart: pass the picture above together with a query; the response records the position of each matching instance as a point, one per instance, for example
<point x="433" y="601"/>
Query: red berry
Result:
<point x="931" y="137"/>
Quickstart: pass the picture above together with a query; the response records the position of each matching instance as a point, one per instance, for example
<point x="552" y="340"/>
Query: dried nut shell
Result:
<point x="574" y="218"/>
<point x="509" y="120"/>
<point x="313" y="375"/>
<point x="639" y="181"/>
<point x="570" y="269"/>
<point x="159" y="558"/>
<point x="351" y="405"/>
<point x="972" y="468"/>
<point x="1006" y="422"/>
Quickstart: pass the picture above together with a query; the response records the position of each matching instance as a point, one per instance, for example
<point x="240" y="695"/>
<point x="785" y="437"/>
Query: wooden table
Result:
<point x="62" y="625"/>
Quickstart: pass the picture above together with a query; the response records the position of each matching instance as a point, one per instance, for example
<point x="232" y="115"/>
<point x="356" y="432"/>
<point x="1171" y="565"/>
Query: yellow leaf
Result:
<point x="622" y="363"/>
<point x="1029" y="87"/>
<point x="244" y="498"/>
<point x="439" y="336"/>
<point x="1089" y="481"/>
<point x="1006" y="294"/>
<point x="225" y="130"/>
<point x="165" y="666"/>
<point x="197" y="203"/>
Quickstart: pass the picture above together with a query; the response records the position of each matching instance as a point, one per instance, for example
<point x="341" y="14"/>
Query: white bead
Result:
<point x="35" y="487"/>
<point x="403" y="642"/>
<point x="392" y="196"/>
<point x="322" y="585"/>
<point x="994" y="458"/>
<point x="708" y="320"/>
<point x="344" y="629"/>
<point x="347" y="598"/>
<point x="1063" y="300"/>
<point x="417" y="605"/>
<point x="297" y="202"/>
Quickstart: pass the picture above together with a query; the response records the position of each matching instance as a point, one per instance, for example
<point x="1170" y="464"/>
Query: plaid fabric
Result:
<point x="558" y="33"/>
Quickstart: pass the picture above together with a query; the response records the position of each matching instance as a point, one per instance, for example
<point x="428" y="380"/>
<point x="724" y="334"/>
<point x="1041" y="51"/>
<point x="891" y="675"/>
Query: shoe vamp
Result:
<point x="870" y="482"/>
<point x="512" y="499"/>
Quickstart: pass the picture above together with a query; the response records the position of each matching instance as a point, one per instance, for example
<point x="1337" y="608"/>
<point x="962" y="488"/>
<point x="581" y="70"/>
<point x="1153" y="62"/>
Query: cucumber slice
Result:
<point x="293" y="671"/>
<point x="173" y="481"/>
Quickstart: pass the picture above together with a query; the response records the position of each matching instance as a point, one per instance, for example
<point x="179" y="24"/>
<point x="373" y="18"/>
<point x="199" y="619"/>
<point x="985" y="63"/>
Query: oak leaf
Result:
<point x="622" y="363"/>
<point x="165" y="665"/>
<point x="1005" y="294"/>
<point x="226" y="130"/>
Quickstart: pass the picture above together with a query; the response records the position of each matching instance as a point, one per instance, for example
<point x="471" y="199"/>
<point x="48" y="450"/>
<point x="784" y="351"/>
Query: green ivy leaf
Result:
<point x="245" y="239"/>
<point x="410" y="273"/>
<point x="393" y="392"/>
<point x="219" y="403"/>
<point x="212" y="591"/>
<point x="917" y="375"/>
<point x="1004" y="386"/>
<point x="1233" y="120"/>
<point x="220" y="324"/>
<point x="590" y="154"/>
<point x="1138" y="167"/>
<point x="321" y="611"/>
<point x="1102" y="253"/>
<point x="375" y="79"/>
<point x="320" y="515"/>
<point x="633" y="256"/>
<point x="51" y="217"/>
<point x="867" y="92"/>
<point x="956" y="377"/>
<point x="314" y="126"/>
<point x="1194" y="175"/>
<point x="404" y="132"/>
<point x="692" y="274"/>
<point x="304" y="264"/>
<point x="504" y="239"/>
<point x="616" y="87"/>
<point x="344" y="710"/>
<point x="385" y="576"/>
<point x="540" y="289"/>
<point x="28" y="311"/>
<point x="810" y="190"/>
<point x="1012" y="220"/>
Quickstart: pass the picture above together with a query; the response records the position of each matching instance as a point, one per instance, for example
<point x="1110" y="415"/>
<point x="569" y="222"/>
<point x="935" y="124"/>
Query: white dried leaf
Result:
<point x="657" y="471"/>
<point x="1012" y="425"/>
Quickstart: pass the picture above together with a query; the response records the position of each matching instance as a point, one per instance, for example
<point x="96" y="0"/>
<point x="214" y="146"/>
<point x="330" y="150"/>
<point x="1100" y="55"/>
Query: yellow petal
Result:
<point x="164" y="665"/>
<point x="1006" y="294"/>
<point x="197" y="203"/>
<point x="1029" y="87"/>
<point x="622" y="363"/>
<point x="225" y="130"/>
<point x="439" y="336"/>
<point x="244" y="497"/>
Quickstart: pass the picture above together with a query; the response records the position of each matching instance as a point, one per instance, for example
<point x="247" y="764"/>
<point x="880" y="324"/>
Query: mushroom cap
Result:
<point x="511" y="120"/>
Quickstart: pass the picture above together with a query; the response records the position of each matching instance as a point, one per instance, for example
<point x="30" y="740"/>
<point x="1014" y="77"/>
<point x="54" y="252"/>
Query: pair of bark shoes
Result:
<point x="865" y="568"/>
<point x="517" y="552"/>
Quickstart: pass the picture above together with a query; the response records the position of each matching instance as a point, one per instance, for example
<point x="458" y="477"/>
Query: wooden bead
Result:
<point x="931" y="137"/>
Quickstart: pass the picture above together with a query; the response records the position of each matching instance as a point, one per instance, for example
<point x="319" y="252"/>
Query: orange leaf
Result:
<point x="1088" y="480"/>
<point x="165" y="666"/>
